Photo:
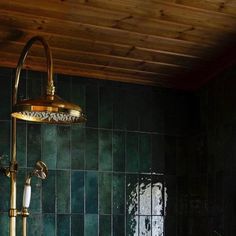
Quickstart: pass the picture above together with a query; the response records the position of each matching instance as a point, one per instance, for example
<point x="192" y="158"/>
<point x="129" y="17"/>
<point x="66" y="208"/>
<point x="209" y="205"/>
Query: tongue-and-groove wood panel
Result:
<point x="147" y="42"/>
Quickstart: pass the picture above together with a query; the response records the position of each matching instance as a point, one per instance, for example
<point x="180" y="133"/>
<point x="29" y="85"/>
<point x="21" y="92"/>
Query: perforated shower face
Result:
<point x="49" y="117"/>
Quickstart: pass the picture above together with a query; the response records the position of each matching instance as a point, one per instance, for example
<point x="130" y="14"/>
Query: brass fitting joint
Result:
<point x="25" y="212"/>
<point x="13" y="212"/>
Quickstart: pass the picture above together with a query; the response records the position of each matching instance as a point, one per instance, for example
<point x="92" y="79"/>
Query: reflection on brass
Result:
<point x="49" y="108"/>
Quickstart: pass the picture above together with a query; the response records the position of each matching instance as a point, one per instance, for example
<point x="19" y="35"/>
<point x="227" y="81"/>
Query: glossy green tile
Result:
<point x="34" y="225"/>
<point x="132" y="225"/>
<point x="63" y="83"/>
<point x="63" y="191"/>
<point x="63" y="147"/>
<point x="118" y="193"/>
<point x="118" y="225"/>
<point x="5" y="194"/>
<point x="105" y="150"/>
<point x="49" y="193"/>
<point x="63" y="225"/>
<point x="132" y="110"/>
<point x="4" y="224"/>
<point x="145" y="153"/>
<point x="91" y="225"/>
<point x="34" y="83"/>
<point x="5" y="94"/>
<point x="105" y="107"/>
<point x="91" y="149"/>
<point x="132" y="155"/>
<point x="145" y="195"/>
<point x="33" y="144"/>
<point x="77" y="192"/>
<point x="145" y="226"/>
<point x="170" y="155"/>
<point x="105" y="184"/>
<point x="78" y="92"/>
<point x="92" y="105"/>
<point x="77" y="225"/>
<point x="21" y="176"/>
<point x="49" y="145"/>
<point x="118" y="149"/>
<point x="77" y="147"/>
<point x="119" y="117"/>
<point x="21" y="144"/>
<point x="158" y="154"/>
<point x="105" y="225"/>
<point x="36" y="195"/>
<point x="132" y="192"/>
<point x="91" y="192"/>
<point x="49" y="224"/>
<point x="5" y="141"/>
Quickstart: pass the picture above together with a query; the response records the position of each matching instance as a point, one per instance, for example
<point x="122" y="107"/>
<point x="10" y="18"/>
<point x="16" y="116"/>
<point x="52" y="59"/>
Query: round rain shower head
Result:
<point x="40" y="170"/>
<point x="49" y="108"/>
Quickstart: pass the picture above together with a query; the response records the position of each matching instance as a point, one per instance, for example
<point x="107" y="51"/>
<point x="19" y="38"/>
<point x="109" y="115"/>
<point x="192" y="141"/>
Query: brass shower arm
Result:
<point x="50" y="82"/>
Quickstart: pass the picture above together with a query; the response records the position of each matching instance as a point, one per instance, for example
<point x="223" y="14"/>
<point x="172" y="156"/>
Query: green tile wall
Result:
<point x="106" y="177"/>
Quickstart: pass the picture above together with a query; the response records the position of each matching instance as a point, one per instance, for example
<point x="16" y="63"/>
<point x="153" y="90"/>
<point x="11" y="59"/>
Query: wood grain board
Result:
<point x="154" y="42"/>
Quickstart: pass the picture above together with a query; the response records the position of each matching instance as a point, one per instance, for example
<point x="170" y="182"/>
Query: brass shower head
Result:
<point x="48" y="108"/>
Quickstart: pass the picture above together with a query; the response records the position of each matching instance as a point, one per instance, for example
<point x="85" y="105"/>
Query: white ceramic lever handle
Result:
<point x="26" y="196"/>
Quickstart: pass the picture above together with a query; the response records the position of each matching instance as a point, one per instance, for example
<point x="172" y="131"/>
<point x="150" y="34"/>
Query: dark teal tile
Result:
<point x="21" y="176"/>
<point x="77" y="225"/>
<point x="34" y="84"/>
<point x="78" y="91"/>
<point x="33" y="144"/>
<point x="157" y="225"/>
<point x="91" y="225"/>
<point x="91" y="192"/>
<point x="21" y="144"/>
<point x="34" y="225"/>
<point x="5" y="95"/>
<point x="105" y="225"/>
<point x="4" y="224"/>
<point x="64" y="87"/>
<point x="92" y="105"/>
<point x="145" y="153"/>
<point x="118" y="225"/>
<point x="119" y="117"/>
<point x="49" y="193"/>
<point x="118" y="149"/>
<point x="170" y="155"/>
<point x="132" y="157"/>
<point x="36" y="195"/>
<point x="49" y="145"/>
<point x="145" y="195"/>
<point x="105" y="150"/>
<point x="5" y="193"/>
<point x="91" y="149"/>
<point x="105" y="182"/>
<point x="77" y="192"/>
<point x="49" y="224"/>
<point x="63" y="147"/>
<point x="132" y="192"/>
<point x="105" y="107"/>
<point x="157" y="195"/>
<point x="63" y="191"/>
<point x="158" y="154"/>
<point x="63" y="225"/>
<point x="145" y="226"/>
<point x="132" y="110"/>
<point x="5" y="141"/>
<point x="77" y="147"/>
<point x="118" y="193"/>
<point x="132" y="225"/>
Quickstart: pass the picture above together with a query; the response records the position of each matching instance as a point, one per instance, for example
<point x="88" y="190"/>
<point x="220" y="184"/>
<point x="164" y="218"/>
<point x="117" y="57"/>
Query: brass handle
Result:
<point x="24" y="53"/>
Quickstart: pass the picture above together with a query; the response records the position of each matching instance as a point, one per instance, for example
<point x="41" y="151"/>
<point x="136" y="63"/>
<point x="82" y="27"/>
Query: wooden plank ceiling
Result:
<point x="170" y="43"/>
